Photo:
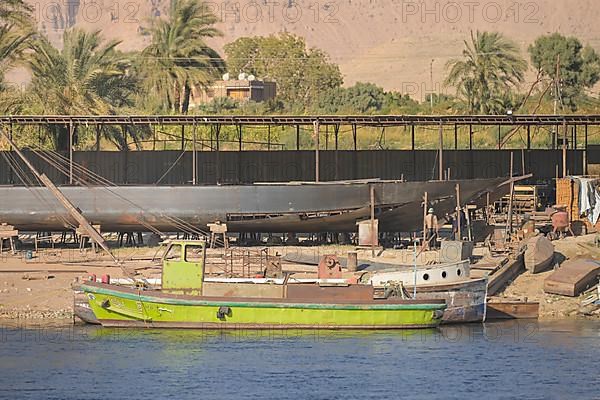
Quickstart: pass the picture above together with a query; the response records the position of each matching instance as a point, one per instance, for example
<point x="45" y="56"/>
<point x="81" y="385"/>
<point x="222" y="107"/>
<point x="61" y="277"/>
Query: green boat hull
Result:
<point x="121" y="307"/>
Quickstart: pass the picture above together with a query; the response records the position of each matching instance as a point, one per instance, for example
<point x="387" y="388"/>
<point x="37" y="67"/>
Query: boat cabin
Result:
<point x="183" y="267"/>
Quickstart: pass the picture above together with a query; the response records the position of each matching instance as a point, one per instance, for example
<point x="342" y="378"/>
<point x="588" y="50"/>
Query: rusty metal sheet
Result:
<point x="316" y="293"/>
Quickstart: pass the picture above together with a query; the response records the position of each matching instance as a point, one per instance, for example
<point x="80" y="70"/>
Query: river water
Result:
<point x="510" y="360"/>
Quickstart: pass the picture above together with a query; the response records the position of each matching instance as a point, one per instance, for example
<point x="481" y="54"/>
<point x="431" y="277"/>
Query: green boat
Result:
<point x="186" y="301"/>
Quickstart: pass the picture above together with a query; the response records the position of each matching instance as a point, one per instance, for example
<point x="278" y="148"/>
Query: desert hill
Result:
<point x="393" y="43"/>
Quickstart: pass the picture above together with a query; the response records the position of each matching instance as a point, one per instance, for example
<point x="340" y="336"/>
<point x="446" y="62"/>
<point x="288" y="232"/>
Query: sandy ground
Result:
<point x="39" y="290"/>
<point x="532" y="286"/>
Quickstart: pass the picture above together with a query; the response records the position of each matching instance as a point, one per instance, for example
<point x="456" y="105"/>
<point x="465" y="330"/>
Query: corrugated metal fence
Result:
<point x="148" y="167"/>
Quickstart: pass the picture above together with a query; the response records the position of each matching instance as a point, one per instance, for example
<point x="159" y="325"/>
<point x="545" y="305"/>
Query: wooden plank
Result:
<point x="573" y="277"/>
<point x="8" y="234"/>
<point x="477" y="274"/>
<point x="486" y="266"/>
<point x="512" y="310"/>
<point x="508" y="272"/>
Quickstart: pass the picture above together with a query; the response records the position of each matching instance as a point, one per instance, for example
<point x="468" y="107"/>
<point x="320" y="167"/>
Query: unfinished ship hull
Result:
<point x="278" y="207"/>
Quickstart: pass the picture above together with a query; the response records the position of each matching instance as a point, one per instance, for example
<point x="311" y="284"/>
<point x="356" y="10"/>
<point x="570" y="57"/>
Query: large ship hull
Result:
<point x="285" y="207"/>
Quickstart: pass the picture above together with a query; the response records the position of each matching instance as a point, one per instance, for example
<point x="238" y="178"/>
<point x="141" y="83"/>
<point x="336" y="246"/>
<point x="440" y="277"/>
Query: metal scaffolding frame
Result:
<point x="289" y="120"/>
<point x="564" y="131"/>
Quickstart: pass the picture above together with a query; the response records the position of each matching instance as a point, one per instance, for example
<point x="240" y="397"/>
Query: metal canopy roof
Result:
<point x="283" y="120"/>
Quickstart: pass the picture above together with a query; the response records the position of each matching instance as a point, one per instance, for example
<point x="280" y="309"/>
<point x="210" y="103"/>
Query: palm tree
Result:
<point x="490" y="68"/>
<point x="15" y="12"/>
<point x="13" y="42"/>
<point x="15" y="33"/>
<point x="178" y="59"/>
<point x="87" y="76"/>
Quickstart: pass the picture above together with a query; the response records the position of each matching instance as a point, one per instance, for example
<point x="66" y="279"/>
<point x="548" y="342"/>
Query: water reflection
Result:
<point x="526" y="359"/>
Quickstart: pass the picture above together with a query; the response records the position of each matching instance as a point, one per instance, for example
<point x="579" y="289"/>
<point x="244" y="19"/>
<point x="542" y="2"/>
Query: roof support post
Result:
<point x="316" y="133"/>
<point x="499" y="137"/>
<point x="182" y="137"/>
<point x="455" y="137"/>
<point x="441" y="152"/>
<point x="71" y="132"/>
<point x="470" y="137"/>
<point x="336" y="132"/>
<point x="194" y="157"/>
<point x="218" y="166"/>
<point x="564" y="149"/>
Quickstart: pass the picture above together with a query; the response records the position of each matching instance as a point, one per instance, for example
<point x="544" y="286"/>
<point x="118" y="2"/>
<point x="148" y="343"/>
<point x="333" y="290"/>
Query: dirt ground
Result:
<point x="532" y="286"/>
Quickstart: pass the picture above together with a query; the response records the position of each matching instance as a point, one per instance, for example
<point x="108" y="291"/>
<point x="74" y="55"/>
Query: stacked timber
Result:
<point x="539" y="254"/>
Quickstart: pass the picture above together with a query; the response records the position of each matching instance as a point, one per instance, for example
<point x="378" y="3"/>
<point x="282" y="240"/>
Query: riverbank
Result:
<point x="38" y="291"/>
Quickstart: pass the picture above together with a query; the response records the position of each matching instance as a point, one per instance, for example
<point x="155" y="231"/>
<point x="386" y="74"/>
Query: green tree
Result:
<point x="578" y="66"/>
<point x="301" y="74"/>
<point x="87" y="76"/>
<point x="361" y="98"/>
<point x="178" y="58"/>
<point x="489" y="70"/>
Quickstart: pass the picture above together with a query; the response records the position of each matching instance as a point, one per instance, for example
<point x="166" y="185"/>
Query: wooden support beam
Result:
<point x="412" y="137"/>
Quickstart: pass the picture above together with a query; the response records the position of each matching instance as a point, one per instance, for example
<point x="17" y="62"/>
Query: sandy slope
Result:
<point x="388" y="42"/>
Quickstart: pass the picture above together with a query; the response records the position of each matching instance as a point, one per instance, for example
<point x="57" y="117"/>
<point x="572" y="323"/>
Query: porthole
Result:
<point x="458" y="272"/>
<point x="444" y="274"/>
<point x="425" y="277"/>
